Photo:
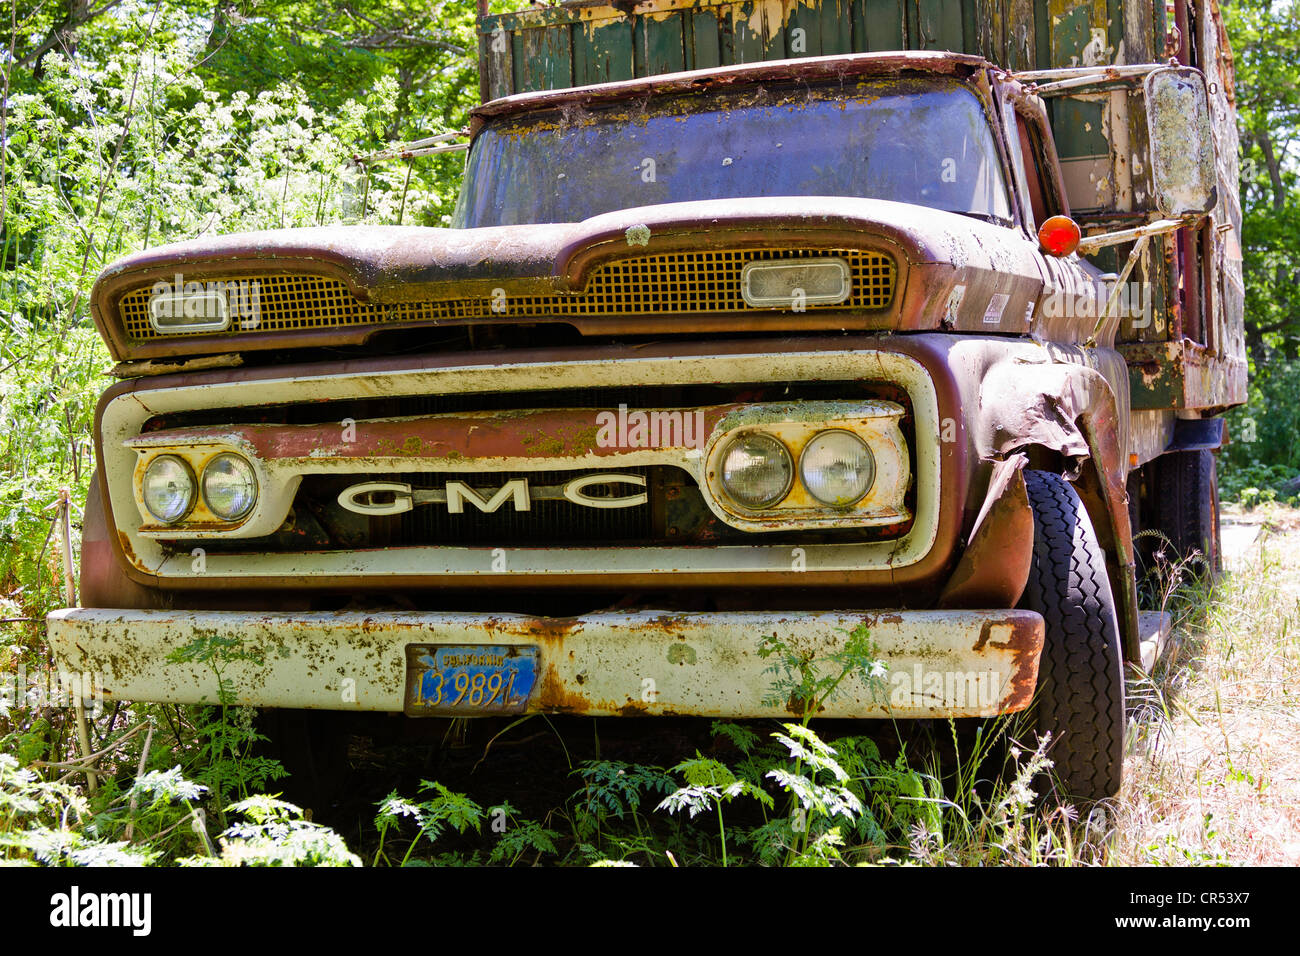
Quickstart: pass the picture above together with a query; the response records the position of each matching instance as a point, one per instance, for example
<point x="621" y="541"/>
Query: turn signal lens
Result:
<point x="1059" y="236"/>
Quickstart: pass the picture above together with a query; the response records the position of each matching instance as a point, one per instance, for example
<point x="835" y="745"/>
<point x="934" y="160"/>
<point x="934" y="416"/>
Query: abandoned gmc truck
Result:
<point x="756" y="320"/>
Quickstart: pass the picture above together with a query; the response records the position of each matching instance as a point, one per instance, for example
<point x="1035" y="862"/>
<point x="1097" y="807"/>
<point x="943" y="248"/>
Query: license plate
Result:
<point x="464" y="680"/>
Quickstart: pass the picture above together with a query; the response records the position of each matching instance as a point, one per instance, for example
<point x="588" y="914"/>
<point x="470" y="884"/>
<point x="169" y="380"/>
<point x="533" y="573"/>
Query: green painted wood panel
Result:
<point x="880" y="25"/>
<point x="837" y="27"/>
<point x="1079" y="35"/>
<point x="940" y="25"/>
<point x="496" y="65"/>
<point x="706" y="41"/>
<point x="602" y="53"/>
<point x="1020" y="38"/>
<point x="544" y="58"/>
<point x="803" y="29"/>
<point x="747" y="32"/>
<point x="590" y="43"/>
<point x="661" y="46"/>
<point x="774" y="33"/>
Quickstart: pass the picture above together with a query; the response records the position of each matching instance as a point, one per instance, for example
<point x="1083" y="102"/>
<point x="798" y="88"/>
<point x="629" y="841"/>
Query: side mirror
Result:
<point x="1181" y="135"/>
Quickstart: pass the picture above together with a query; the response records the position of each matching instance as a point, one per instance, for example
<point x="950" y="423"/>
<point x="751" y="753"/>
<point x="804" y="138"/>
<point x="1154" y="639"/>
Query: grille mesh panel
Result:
<point x="675" y="283"/>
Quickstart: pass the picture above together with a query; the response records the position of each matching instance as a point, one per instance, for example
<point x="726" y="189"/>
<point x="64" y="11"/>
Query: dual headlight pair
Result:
<point x="228" y="487"/>
<point x="835" y="467"/>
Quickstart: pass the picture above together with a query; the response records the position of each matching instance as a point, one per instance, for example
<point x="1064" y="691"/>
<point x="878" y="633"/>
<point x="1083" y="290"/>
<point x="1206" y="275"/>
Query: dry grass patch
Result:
<point x="1213" y="772"/>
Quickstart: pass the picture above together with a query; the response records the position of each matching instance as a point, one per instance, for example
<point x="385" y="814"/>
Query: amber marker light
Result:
<point x="1059" y="236"/>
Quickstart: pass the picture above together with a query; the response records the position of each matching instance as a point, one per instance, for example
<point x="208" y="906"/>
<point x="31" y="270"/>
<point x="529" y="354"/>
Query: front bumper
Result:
<point x="940" y="663"/>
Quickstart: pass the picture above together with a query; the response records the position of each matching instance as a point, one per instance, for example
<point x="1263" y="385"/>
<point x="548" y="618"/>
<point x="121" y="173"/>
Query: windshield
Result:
<point x="923" y="141"/>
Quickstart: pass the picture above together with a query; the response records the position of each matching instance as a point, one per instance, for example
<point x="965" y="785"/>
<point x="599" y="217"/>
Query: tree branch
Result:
<point x="385" y="37"/>
<point x="74" y="19"/>
<point x="1274" y="168"/>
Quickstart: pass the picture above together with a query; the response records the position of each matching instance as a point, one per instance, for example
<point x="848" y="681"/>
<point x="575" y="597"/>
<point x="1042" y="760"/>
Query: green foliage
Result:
<point x="805" y="681"/>
<point x="709" y="784"/>
<point x="159" y="122"/>
<point x="742" y="738"/>
<point x="62" y="847"/>
<point x="432" y="817"/>
<point x="514" y="836"/>
<point x="518" y="837"/>
<point x="1265" y="36"/>
<point x="226" y="756"/>
<point x="166" y="786"/>
<point x="52" y="823"/>
<point x="275" y="834"/>
<point x="1262" y="461"/>
<point x="615" y="788"/>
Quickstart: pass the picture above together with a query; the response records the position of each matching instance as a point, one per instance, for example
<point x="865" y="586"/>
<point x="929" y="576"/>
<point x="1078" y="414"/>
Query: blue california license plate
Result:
<point x="465" y="680"/>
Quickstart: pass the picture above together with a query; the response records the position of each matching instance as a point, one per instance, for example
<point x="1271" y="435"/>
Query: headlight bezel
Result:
<point x="201" y="520"/>
<point x="877" y="423"/>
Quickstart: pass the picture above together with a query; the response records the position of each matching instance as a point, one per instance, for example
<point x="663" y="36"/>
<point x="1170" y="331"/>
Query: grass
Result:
<point x="1213" y="773"/>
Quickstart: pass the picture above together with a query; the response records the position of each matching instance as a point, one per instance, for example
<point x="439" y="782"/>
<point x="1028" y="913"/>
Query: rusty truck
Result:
<point x="757" y="320"/>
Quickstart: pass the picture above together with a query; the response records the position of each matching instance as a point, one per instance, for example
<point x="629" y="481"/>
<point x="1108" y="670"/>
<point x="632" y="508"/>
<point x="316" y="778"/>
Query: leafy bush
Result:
<point x="157" y="123"/>
<point x="1262" y="460"/>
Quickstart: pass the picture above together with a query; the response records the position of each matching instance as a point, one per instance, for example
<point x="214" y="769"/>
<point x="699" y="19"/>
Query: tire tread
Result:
<point x="1080" y="685"/>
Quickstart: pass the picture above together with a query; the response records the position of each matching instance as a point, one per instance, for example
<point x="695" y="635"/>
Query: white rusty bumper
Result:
<point x="939" y="663"/>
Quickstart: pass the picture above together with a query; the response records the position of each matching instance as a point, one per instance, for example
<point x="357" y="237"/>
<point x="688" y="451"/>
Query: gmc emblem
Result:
<point x="395" y="498"/>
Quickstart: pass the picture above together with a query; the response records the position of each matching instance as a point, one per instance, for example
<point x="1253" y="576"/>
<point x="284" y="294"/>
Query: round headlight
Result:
<point x="229" y="487"/>
<point x="837" y="468"/>
<point x="756" y="470"/>
<point x="168" y="488"/>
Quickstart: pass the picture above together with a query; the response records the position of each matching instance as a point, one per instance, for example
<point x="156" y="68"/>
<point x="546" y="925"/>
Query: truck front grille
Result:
<point x="674" y="514"/>
<point x="546" y="523"/>
<point x="674" y="283"/>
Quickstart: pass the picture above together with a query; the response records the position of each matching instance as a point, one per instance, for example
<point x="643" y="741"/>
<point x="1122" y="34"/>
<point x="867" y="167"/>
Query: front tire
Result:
<point x="1080" y="696"/>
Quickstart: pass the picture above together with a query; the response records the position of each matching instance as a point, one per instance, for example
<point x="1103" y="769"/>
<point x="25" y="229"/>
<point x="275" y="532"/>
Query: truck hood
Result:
<point x="954" y="271"/>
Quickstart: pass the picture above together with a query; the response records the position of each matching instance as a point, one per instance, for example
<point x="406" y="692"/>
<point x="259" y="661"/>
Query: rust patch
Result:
<point x="1025" y="645"/>
<point x="549" y="433"/>
<point x="552" y="694"/>
<point x="669" y="624"/>
<point x="994" y="568"/>
<point x="802" y="70"/>
<point x="128" y="552"/>
<point x="798" y="706"/>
